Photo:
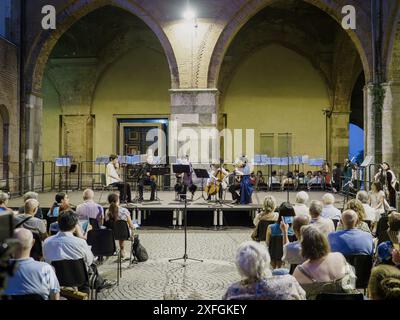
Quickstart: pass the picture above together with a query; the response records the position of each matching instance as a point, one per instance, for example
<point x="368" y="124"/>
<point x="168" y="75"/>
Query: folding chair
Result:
<point x="362" y="265"/>
<point x="262" y="227"/>
<point x="73" y="273"/>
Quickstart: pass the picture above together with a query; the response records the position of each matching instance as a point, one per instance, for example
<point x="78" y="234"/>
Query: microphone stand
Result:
<point x="185" y="255"/>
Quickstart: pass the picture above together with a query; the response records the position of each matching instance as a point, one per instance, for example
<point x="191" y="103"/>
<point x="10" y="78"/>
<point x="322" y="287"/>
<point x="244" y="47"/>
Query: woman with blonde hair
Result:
<point x="357" y="206"/>
<point x="266" y="217"/>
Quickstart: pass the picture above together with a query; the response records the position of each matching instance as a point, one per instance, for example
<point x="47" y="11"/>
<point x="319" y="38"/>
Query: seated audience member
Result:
<point x="396" y="257"/>
<point x="384" y="253"/>
<point x="70" y="244"/>
<point x="323" y="271"/>
<point x="4" y="197"/>
<point x="351" y="241"/>
<point x="326" y="226"/>
<point x="252" y="261"/>
<point x="31" y="195"/>
<point x="308" y="177"/>
<point x="382" y="226"/>
<point x="61" y="204"/>
<point x="90" y="209"/>
<point x="358" y="208"/>
<point x="300" y="207"/>
<point x="292" y="250"/>
<point x="30" y="276"/>
<point x="261" y="184"/>
<point x="394" y="227"/>
<point x="384" y="283"/>
<point x="370" y="213"/>
<point x="114" y="213"/>
<point x="329" y="211"/>
<point x="274" y="178"/>
<point x="268" y="214"/>
<point x="28" y="219"/>
<point x="288" y="181"/>
<point x="286" y="214"/>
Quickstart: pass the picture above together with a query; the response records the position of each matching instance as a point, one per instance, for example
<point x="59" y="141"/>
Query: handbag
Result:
<point x="138" y="251"/>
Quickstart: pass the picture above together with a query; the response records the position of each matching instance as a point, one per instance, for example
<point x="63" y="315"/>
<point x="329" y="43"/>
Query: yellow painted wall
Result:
<point x="51" y="122"/>
<point x="137" y="84"/>
<point x="277" y="90"/>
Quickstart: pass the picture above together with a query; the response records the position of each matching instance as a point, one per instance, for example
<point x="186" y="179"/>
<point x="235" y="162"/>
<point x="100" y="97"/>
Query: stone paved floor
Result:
<point x="159" y="279"/>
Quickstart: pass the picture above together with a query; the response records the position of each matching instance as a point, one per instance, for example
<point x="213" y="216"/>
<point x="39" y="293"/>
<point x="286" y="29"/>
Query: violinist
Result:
<point x="113" y="179"/>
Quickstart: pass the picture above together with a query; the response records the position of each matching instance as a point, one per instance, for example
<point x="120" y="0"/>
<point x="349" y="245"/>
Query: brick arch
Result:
<point x="254" y="6"/>
<point x="47" y="39"/>
<point x="393" y="57"/>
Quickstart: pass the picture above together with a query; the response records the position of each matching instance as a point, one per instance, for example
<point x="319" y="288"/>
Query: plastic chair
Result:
<point x="37" y="250"/>
<point x="94" y="223"/>
<point x="362" y="265"/>
<point x="72" y="273"/>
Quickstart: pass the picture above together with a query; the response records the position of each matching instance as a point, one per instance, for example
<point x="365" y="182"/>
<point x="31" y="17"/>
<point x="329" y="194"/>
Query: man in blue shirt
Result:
<point x="30" y="276"/>
<point x="351" y="241"/>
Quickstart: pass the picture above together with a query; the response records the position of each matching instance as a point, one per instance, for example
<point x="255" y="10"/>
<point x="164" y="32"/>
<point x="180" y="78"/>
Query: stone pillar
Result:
<point x="193" y="113"/>
<point x="339" y="136"/>
<point x="33" y="114"/>
<point x="369" y="123"/>
<point x="391" y="125"/>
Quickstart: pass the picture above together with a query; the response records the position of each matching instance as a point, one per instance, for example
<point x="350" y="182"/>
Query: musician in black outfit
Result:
<point x="146" y="180"/>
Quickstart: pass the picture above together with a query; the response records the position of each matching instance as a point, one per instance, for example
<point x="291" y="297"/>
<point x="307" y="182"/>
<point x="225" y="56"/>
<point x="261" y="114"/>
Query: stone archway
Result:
<point x="45" y="42"/>
<point x="255" y="6"/>
<point x="391" y="107"/>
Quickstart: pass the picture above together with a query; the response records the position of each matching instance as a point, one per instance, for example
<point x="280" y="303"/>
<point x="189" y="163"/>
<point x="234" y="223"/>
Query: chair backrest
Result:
<point x="335" y="223"/>
<point x="71" y="273"/>
<point x="102" y="242"/>
<point x="292" y="268"/>
<point x="262" y="227"/>
<point x="340" y="296"/>
<point x="121" y="230"/>
<point x="25" y="297"/>
<point x="276" y="247"/>
<point x="362" y="265"/>
<point x="50" y="220"/>
<point x="36" y="251"/>
<point x="94" y="223"/>
<point x="103" y="179"/>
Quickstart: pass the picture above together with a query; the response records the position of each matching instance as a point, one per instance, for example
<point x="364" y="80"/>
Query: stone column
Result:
<point x="391" y="125"/>
<point x="339" y="136"/>
<point x="33" y="113"/>
<point x="193" y="113"/>
<point x="369" y="123"/>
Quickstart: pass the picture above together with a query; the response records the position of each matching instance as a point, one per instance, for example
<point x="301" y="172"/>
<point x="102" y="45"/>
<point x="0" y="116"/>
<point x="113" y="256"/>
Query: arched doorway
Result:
<point x="323" y="57"/>
<point x="107" y="69"/>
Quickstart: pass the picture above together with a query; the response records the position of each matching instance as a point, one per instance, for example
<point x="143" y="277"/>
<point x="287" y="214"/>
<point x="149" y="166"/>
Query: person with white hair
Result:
<point x="325" y="225"/>
<point x="31" y="195"/>
<point x="29" y="221"/>
<point x="351" y="240"/>
<point x="4" y="197"/>
<point x="89" y="209"/>
<point x="252" y="262"/>
<point x="31" y="277"/>
<point x="329" y="211"/>
<point x="300" y="207"/>
<point x="370" y="213"/>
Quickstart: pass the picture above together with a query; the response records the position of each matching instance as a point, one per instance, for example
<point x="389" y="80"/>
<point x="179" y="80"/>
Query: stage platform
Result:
<point x="168" y="212"/>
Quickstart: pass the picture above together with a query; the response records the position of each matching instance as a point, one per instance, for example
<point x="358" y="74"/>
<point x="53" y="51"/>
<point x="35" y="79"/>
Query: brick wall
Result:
<point x="9" y="103"/>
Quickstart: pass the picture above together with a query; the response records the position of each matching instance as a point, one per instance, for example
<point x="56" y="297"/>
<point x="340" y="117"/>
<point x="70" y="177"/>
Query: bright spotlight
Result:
<point x="189" y="14"/>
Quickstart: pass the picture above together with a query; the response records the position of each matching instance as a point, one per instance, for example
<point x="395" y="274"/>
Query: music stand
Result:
<point x="202" y="174"/>
<point x="184" y="197"/>
<point x="64" y="162"/>
<point x="159" y="171"/>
